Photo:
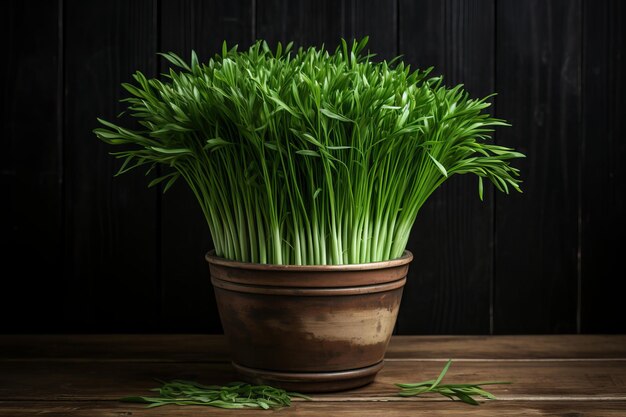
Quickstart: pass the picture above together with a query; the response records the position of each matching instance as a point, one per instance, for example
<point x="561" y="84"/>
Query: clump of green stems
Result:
<point x="233" y="395"/>
<point x="308" y="157"/>
<point x="242" y="395"/>
<point x="463" y="392"/>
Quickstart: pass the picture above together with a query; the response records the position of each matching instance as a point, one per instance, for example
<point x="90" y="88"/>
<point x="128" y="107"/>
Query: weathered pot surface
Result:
<point x="308" y="328"/>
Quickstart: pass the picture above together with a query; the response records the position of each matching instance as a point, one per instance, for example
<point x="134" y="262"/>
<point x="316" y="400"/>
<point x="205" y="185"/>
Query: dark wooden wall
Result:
<point x="84" y="252"/>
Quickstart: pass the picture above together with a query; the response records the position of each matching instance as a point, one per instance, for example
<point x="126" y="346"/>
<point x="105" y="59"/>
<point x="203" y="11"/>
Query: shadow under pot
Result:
<point x="311" y="328"/>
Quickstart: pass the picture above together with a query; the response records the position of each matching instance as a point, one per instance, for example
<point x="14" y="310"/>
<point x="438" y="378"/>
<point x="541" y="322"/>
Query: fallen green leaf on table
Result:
<point x="233" y="395"/>
<point x="463" y="392"/>
<point x="242" y="395"/>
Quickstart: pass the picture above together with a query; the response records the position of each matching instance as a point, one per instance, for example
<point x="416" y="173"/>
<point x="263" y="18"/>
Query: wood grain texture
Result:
<point x="306" y="23"/>
<point x="538" y="72"/>
<point x="539" y="347"/>
<point x="31" y="164"/>
<point x="110" y="223"/>
<point x="376" y="19"/>
<point x="603" y="175"/>
<point x="534" y="380"/>
<point x="188" y="300"/>
<point x="213" y="348"/>
<point x="449" y="283"/>
<point x="85" y="375"/>
<point x="317" y="409"/>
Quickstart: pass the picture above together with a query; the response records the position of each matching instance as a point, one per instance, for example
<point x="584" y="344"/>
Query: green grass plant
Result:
<point x="307" y="157"/>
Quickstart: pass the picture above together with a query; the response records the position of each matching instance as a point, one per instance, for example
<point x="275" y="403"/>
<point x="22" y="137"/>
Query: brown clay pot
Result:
<point x="308" y="328"/>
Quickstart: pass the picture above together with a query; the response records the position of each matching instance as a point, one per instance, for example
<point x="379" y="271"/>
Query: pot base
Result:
<point x="310" y="381"/>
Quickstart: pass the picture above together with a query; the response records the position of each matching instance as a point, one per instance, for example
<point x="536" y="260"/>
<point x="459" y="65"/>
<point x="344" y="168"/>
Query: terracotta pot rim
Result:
<point x="405" y="259"/>
<point x="301" y="291"/>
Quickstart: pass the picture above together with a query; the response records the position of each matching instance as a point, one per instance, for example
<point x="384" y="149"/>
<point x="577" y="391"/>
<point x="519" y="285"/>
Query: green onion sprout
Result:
<point x="307" y="157"/>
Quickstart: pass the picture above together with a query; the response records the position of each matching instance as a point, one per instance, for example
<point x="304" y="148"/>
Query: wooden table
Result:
<point x="84" y="375"/>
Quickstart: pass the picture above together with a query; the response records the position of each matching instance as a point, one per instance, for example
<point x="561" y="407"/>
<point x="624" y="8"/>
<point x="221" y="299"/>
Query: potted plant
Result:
<point x="310" y="168"/>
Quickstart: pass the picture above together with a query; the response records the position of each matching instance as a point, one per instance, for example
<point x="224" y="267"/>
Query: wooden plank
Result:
<point x="213" y="348"/>
<point x="509" y="347"/>
<point x="448" y="290"/>
<point x="304" y="409"/>
<point x="110" y="223"/>
<point x="187" y="297"/>
<point x="538" y="70"/>
<point x="376" y="19"/>
<point x="144" y="348"/>
<point x="31" y="172"/>
<point x="532" y="380"/>
<point x="305" y="23"/>
<point x="603" y="177"/>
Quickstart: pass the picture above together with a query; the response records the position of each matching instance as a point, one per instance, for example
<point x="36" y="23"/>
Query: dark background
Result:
<point x="84" y="252"/>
